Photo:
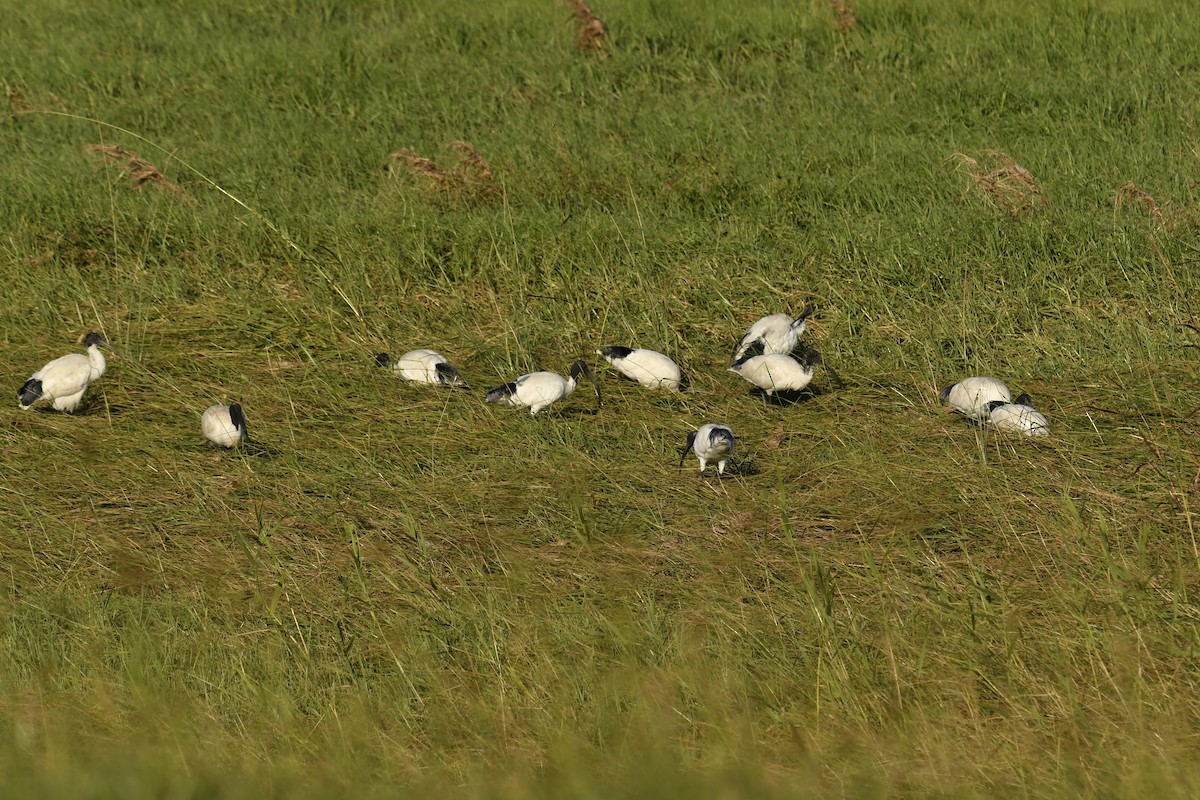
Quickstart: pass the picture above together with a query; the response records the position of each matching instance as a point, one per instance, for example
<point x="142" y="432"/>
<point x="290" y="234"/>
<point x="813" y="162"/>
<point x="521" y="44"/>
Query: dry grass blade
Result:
<point x="1004" y="182"/>
<point x="419" y="165"/>
<point x="846" y="20"/>
<point x="593" y="33"/>
<point x="471" y="181"/>
<point x="1166" y="215"/>
<point x="140" y="170"/>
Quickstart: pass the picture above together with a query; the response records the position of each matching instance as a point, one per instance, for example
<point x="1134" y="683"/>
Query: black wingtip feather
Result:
<point x="30" y="391"/>
<point x="383" y="360"/>
<point x="616" y="351"/>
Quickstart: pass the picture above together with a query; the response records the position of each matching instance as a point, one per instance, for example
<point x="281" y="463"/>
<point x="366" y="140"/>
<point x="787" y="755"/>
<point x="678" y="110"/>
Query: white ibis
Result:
<point x="971" y="396"/>
<point x="647" y="367"/>
<point x="64" y="380"/>
<point x="423" y="366"/>
<point x="776" y="372"/>
<point x="1018" y="416"/>
<point x="709" y="443"/>
<point x="777" y="333"/>
<point x="537" y="390"/>
<point x="224" y="426"/>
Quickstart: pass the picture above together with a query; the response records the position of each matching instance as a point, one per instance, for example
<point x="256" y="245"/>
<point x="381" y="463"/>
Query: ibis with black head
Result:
<point x="64" y="380"/>
<point x="537" y="390"/>
<point x="710" y="443"/>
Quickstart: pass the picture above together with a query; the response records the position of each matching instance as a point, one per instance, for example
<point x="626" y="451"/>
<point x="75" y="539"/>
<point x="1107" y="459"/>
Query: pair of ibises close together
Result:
<point x="763" y="357"/>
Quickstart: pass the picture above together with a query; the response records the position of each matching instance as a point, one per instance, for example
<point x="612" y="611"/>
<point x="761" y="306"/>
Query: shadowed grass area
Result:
<point x="401" y="590"/>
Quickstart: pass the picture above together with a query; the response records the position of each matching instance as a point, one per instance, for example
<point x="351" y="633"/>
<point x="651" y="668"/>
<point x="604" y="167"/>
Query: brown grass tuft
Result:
<point x="140" y="170"/>
<point x="471" y="180"/>
<point x="593" y="33"/>
<point x="1167" y="215"/>
<point x="846" y="20"/>
<point x="1004" y="182"/>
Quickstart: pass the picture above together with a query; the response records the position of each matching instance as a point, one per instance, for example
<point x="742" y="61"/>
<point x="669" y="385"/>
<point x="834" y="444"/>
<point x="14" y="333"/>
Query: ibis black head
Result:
<point x="383" y="360"/>
<point x="1024" y="400"/>
<point x="501" y="393"/>
<point x="29" y="392"/>
<point x="448" y="376"/>
<point x="805" y="314"/>
<point x="94" y="338"/>
<point x="720" y="434"/>
<point x="945" y="393"/>
<point x="691" y="440"/>
<point x="581" y="368"/>
<point x="809" y="358"/>
<point x="238" y="419"/>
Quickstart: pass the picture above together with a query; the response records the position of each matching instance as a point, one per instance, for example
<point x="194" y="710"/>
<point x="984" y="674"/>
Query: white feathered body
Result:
<point x="648" y="367"/>
<point x="534" y="391"/>
<point x="423" y="366"/>
<point x="713" y="443"/>
<point x="219" y="427"/>
<point x="971" y="396"/>
<point x="775" y="372"/>
<point x="65" y="379"/>
<point x="1019" y="418"/>
<point x="776" y="333"/>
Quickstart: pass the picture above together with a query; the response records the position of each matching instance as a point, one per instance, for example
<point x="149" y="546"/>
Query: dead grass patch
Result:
<point x="1003" y="182"/>
<point x="471" y="180"/>
<point x="140" y="171"/>
<point x="846" y="21"/>
<point x="1166" y="215"/>
<point x="592" y="33"/>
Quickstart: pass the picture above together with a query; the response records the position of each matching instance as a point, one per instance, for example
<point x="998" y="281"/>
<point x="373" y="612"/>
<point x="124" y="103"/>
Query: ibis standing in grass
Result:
<point x="1018" y="416"/>
<point x="777" y="333"/>
<point x="423" y="366"/>
<point x="776" y="372"/>
<point x="537" y="390"/>
<point x="971" y="396"/>
<point x="64" y="380"/>
<point x="647" y="367"/>
<point x="224" y="426"/>
<point x="710" y="443"/>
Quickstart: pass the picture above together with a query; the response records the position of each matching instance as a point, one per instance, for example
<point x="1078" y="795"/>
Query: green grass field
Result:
<point x="404" y="591"/>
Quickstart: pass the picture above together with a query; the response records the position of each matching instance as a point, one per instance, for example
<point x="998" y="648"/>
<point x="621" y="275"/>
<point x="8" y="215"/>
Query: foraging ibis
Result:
<point x="776" y="372"/>
<point x="971" y="396"/>
<point x="537" y="390"/>
<point x="647" y="367"/>
<point x="224" y="426"/>
<point x="710" y="443"/>
<point x="1018" y="416"/>
<point x="65" y="379"/>
<point x="423" y="366"/>
<point x="777" y="333"/>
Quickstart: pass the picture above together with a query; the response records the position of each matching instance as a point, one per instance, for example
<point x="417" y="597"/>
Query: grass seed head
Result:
<point x="1167" y="216"/>
<point x="592" y="34"/>
<point x="471" y="181"/>
<point x="1004" y="182"/>
<point x="140" y="171"/>
<point x="846" y="20"/>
